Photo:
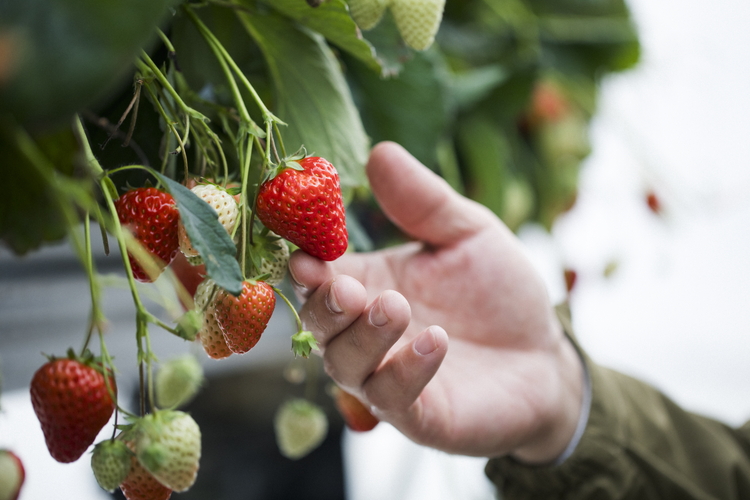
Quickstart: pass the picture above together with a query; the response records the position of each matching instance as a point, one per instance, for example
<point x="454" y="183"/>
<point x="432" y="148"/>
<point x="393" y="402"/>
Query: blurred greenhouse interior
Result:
<point x="660" y="294"/>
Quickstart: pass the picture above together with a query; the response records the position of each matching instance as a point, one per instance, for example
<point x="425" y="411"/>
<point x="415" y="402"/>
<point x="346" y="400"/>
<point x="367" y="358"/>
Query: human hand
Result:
<point x="497" y="376"/>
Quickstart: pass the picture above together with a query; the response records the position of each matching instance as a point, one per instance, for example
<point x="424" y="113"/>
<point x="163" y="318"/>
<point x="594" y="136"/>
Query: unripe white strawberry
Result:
<point x="211" y="336"/>
<point x="276" y="262"/>
<point x="225" y="206"/>
<point x="178" y="381"/>
<point x="300" y="428"/>
<point x="110" y="462"/>
<point x="367" y="13"/>
<point x="418" y="21"/>
<point x="168" y="445"/>
<point x="12" y="475"/>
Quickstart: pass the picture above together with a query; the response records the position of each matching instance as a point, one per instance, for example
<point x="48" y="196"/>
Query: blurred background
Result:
<point x="645" y="230"/>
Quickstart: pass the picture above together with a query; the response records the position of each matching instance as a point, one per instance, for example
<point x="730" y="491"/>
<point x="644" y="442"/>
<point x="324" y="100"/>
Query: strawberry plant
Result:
<point x="210" y="100"/>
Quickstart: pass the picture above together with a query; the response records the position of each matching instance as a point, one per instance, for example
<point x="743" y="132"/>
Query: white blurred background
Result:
<point x="675" y="308"/>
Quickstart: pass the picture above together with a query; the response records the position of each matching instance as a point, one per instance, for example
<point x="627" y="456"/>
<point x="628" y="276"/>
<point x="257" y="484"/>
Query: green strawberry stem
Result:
<point x="142" y="314"/>
<point x="167" y="42"/>
<point x="267" y="115"/>
<point x="146" y="65"/>
<point x="171" y="126"/>
<point x="215" y="45"/>
<point x="303" y="342"/>
<point x="97" y="317"/>
<point x="202" y="131"/>
<point x="245" y="173"/>
<point x="281" y="140"/>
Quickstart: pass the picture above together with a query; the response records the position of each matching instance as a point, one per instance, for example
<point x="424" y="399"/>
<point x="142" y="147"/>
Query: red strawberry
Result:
<point x="71" y="400"/>
<point x="356" y="415"/>
<point x="571" y="276"/>
<point x="189" y="275"/>
<point x="653" y="202"/>
<point x="152" y="217"/>
<point x="12" y="475"/>
<point x="243" y="319"/>
<point x="304" y="205"/>
<point x="141" y="485"/>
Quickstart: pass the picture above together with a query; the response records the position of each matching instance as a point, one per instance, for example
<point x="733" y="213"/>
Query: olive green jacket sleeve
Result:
<point x="637" y="444"/>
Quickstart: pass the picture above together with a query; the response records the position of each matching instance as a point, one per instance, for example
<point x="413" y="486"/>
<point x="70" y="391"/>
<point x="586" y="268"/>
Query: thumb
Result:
<point x="418" y="201"/>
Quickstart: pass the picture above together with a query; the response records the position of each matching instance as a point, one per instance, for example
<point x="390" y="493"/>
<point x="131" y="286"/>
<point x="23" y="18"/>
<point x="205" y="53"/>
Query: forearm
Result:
<point x="637" y="444"/>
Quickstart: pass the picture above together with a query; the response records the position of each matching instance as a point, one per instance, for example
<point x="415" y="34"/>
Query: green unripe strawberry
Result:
<point x="168" y="445"/>
<point x="300" y="428"/>
<point x="367" y="13"/>
<point x="178" y="381"/>
<point x="12" y="475"/>
<point x="110" y="462"/>
<point x="418" y="21"/>
<point x="269" y="256"/>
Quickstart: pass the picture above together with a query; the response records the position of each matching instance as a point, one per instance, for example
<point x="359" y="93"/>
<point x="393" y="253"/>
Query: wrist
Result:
<point x="561" y="421"/>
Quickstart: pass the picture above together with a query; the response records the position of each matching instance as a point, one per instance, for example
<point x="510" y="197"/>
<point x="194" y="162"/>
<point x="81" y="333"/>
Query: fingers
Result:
<point x="420" y="202"/>
<point x="356" y="339"/>
<point x="333" y="307"/>
<point x="394" y="387"/>
<point x="354" y="354"/>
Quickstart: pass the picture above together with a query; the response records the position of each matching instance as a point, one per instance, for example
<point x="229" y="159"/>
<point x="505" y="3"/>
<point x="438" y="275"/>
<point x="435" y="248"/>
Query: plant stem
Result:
<point x="291" y="307"/>
<point x="267" y="115"/>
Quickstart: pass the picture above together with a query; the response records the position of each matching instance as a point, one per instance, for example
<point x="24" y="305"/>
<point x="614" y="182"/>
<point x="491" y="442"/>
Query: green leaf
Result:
<point x="412" y="109"/>
<point x="332" y="20"/>
<point x="65" y="54"/>
<point x="36" y="171"/>
<point x="312" y="95"/>
<point x="208" y="236"/>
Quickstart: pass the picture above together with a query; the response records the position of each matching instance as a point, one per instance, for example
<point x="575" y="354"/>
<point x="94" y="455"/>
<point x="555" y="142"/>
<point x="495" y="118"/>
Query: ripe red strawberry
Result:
<point x="72" y="402"/>
<point x="189" y="275"/>
<point x="356" y="415"/>
<point x="304" y="205"/>
<point x="141" y="485"/>
<point x="12" y="475"/>
<point x="653" y="202"/>
<point x="152" y="217"/>
<point x="243" y="319"/>
<point x="571" y="276"/>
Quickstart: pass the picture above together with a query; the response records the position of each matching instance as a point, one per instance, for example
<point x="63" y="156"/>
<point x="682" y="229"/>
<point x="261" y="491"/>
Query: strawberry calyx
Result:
<point x="86" y="358"/>
<point x="303" y="342"/>
<point x="189" y="324"/>
<point x="288" y="162"/>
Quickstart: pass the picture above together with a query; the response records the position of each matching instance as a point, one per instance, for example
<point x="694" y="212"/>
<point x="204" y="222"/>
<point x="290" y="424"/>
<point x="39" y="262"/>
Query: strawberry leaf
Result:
<point x="332" y="20"/>
<point x="207" y="235"/>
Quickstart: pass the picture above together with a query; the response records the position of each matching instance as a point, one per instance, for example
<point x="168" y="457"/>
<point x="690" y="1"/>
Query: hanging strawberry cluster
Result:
<point x="233" y="221"/>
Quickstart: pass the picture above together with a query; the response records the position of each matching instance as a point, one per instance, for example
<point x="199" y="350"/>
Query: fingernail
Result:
<point x="426" y="343"/>
<point x="331" y="301"/>
<point x="377" y="314"/>
<point x="295" y="281"/>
